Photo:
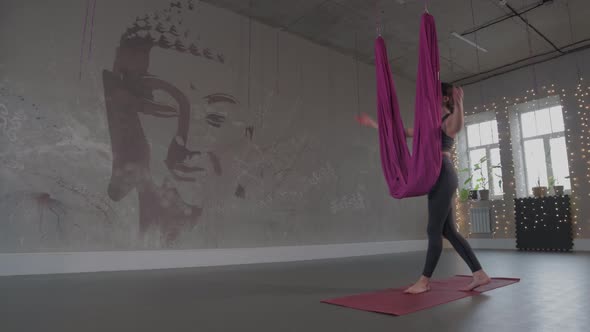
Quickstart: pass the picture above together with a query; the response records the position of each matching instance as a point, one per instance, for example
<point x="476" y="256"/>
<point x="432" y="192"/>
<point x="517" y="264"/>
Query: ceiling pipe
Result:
<point x="566" y="50"/>
<point x="519" y="15"/>
<point x="504" y="18"/>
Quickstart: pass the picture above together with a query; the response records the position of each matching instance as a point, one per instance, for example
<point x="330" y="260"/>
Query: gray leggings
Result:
<point x="442" y="223"/>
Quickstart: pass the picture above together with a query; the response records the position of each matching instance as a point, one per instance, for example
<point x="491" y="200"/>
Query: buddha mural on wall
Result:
<point x="168" y="122"/>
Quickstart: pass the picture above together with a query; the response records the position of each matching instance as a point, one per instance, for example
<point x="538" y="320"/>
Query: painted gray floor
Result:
<point x="552" y="296"/>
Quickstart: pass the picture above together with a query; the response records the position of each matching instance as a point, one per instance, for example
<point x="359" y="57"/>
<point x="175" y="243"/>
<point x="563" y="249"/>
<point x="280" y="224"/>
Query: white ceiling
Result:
<point x="349" y="26"/>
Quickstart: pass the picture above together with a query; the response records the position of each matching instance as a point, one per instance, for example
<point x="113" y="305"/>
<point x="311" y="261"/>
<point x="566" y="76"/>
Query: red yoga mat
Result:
<point x="395" y="302"/>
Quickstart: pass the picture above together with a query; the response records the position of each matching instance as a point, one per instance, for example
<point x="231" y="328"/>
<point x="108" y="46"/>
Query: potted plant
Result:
<point x="480" y="190"/>
<point x="539" y="191"/>
<point x="554" y="184"/>
<point x="473" y="193"/>
<point x="482" y="180"/>
<point x="467" y="193"/>
<point x="464" y="195"/>
<point x="481" y="183"/>
<point x="499" y="176"/>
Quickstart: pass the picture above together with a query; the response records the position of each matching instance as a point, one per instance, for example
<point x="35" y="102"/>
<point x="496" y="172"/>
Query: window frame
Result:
<point x="546" y="145"/>
<point x="488" y="147"/>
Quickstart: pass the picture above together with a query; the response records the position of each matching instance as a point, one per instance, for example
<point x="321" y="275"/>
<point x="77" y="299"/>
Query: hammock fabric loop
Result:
<point x="410" y="175"/>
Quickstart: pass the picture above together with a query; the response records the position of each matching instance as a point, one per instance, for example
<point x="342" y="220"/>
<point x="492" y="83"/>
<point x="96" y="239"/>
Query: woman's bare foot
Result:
<point x="421" y="286"/>
<point x="480" y="278"/>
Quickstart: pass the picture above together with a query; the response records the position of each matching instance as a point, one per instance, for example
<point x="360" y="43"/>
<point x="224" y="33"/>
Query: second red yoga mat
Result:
<point x="395" y="302"/>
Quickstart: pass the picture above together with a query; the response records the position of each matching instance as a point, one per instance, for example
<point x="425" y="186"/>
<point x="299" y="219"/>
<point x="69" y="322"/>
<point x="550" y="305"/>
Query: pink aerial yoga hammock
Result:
<point x="413" y="174"/>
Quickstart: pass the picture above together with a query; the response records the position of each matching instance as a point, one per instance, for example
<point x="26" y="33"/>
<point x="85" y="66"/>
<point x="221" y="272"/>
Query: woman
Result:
<point x="440" y="215"/>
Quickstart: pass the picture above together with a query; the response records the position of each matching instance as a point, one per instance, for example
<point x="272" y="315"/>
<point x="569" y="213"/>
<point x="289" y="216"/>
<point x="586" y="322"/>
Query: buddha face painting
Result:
<point x="169" y="125"/>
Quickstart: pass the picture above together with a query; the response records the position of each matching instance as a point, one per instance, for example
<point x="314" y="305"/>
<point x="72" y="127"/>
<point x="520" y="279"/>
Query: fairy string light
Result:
<point x="584" y="139"/>
<point x="503" y="209"/>
<point x="577" y="135"/>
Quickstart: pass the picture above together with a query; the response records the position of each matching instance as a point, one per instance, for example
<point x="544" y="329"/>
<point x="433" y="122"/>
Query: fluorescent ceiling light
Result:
<point x="458" y="36"/>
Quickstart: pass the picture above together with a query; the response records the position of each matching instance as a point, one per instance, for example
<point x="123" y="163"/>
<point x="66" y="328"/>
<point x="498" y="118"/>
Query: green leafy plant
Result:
<point x="478" y="180"/>
<point x="498" y="167"/>
<point x="481" y="180"/>
<point x="552" y="182"/>
<point x="467" y="186"/>
<point x="464" y="195"/>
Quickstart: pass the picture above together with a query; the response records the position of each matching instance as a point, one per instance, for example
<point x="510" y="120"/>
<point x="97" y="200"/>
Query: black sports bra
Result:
<point x="447" y="141"/>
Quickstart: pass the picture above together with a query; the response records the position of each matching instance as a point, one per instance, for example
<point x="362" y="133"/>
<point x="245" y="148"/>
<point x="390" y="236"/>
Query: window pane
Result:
<point x="473" y="135"/>
<point x="529" y="129"/>
<point x="478" y="173"/>
<point x="543" y="121"/>
<point x="485" y="132"/>
<point x="495" y="131"/>
<point x="557" y="119"/>
<point x="496" y="172"/>
<point x="536" y="168"/>
<point x="559" y="163"/>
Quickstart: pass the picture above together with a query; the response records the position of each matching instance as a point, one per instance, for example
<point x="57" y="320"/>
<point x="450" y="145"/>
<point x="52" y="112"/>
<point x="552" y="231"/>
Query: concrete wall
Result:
<point x="217" y="133"/>
<point x="559" y="80"/>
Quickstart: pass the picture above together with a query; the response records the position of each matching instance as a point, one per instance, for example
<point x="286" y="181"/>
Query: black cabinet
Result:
<point x="544" y="223"/>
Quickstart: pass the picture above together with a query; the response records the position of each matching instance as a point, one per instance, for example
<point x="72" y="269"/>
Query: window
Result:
<point x="484" y="155"/>
<point x="543" y="143"/>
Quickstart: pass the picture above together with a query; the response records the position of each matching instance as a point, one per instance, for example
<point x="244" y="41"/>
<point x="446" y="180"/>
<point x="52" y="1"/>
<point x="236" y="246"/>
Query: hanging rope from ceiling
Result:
<point x="531" y="52"/>
<point x="357" y="76"/>
<point x="249" y="55"/>
<point x="478" y="62"/>
<point x="277" y="63"/>
<point x="571" y="26"/>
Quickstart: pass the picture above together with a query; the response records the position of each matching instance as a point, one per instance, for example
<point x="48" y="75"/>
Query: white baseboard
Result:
<point x="497" y="244"/>
<point x="77" y="262"/>
<point x="103" y="261"/>
<point x="582" y="245"/>
<point x="510" y="244"/>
